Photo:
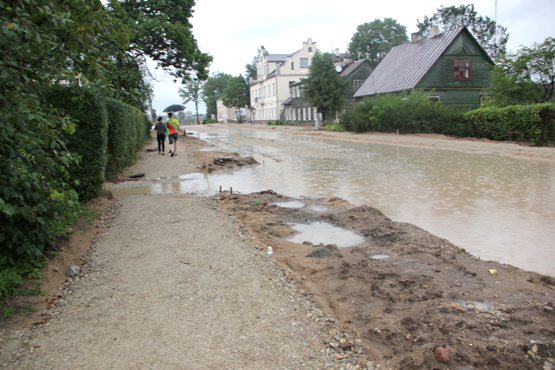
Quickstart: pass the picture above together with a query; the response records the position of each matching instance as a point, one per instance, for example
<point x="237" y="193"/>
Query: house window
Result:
<point x="310" y="49"/>
<point x="462" y="69"/>
<point x="292" y="66"/>
<point x="304" y="62"/>
<point x="357" y="84"/>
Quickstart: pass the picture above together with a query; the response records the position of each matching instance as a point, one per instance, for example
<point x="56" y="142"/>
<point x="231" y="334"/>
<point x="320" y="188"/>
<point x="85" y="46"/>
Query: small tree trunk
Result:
<point x="196" y="107"/>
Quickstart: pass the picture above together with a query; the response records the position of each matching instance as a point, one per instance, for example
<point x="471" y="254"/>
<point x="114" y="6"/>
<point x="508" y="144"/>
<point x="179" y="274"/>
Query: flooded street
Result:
<point x="496" y="207"/>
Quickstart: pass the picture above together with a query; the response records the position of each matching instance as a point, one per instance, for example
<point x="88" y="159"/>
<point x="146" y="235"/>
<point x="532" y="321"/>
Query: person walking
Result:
<point x="172" y="125"/>
<point x="160" y="128"/>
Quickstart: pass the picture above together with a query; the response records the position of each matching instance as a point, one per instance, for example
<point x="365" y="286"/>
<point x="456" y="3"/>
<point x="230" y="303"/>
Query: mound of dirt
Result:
<point x="415" y="300"/>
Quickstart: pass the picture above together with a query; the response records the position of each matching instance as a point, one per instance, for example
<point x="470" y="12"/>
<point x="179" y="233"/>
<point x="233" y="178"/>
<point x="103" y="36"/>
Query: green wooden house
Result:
<point x="452" y="64"/>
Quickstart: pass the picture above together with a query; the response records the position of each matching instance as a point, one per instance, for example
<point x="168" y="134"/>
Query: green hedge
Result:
<point x="90" y="139"/>
<point x="36" y="199"/>
<point x="412" y="112"/>
<point x="128" y="131"/>
<point x="534" y="123"/>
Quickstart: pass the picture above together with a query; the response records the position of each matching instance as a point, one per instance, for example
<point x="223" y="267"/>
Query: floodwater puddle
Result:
<point x="474" y="305"/>
<point x="498" y="208"/>
<point x="318" y="209"/>
<point x="182" y="184"/>
<point x="323" y="232"/>
<point x="290" y="204"/>
<point x="380" y="256"/>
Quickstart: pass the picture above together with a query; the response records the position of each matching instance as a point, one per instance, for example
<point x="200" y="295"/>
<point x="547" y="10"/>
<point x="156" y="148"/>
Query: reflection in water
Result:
<point x="474" y="305"/>
<point x="380" y="256"/>
<point x="497" y="208"/>
<point x="290" y="204"/>
<point x="322" y="232"/>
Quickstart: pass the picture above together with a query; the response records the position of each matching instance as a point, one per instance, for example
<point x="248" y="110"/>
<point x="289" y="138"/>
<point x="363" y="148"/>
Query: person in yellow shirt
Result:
<point x="172" y="125"/>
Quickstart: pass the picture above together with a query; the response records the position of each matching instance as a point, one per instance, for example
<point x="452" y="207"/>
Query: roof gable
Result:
<point x="352" y="67"/>
<point x="405" y="65"/>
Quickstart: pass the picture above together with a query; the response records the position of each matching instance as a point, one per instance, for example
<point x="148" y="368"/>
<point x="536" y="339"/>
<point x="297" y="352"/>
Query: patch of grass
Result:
<point x="35" y="290"/>
<point x="10" y="280"/>
<point x="257" y="203"/>
<point x="335" y="127"/>
<point x="7" y="312"/>
<point x="26" y="311"/>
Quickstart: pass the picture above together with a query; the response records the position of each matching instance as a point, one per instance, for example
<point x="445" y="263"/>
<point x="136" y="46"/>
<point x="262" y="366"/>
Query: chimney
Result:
<point x="434" y="31"/>
<point x="337" y="51"/>
<point x="414" y="37"/>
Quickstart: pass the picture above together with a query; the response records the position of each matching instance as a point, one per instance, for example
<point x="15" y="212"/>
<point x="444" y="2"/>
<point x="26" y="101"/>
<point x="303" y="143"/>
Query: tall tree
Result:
<point x="236" y="94"/>
<point x="373" y="40"/>
<point x="160" y="29"/>
<point x="491" y="36"/>
<point x="250" y="69"/>
<point x="192" y="93"/>
<point x="213" y="90"/>
<point x="129" y="78"/>
<point x="525" y="77"/>
<point x="324" y="87"/>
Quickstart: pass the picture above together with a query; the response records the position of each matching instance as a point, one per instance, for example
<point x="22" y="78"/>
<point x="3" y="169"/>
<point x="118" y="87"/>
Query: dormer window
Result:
<point x="462" y="69"/>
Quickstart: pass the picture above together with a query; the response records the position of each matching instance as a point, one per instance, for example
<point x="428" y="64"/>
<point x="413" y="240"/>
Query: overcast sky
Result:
<point x="233" y="31"/>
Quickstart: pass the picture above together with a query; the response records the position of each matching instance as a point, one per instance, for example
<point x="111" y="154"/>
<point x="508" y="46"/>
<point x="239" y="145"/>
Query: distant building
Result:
<point x="453" y="64"/>
<point x="275" y="73"/>
<point x="297" y="111"/>
<point x="226" y="114"/>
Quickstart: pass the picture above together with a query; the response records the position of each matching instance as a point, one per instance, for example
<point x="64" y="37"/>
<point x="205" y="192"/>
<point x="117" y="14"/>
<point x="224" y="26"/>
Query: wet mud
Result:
<point x="416" y="301"/>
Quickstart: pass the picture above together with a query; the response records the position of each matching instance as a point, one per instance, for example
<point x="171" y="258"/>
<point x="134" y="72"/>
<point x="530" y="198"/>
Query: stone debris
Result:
<point x="325" y="250"/>
<point x="73" y="271"/>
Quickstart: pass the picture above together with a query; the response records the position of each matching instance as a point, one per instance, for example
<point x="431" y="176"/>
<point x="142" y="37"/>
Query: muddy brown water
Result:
<point x="498" y="208"/>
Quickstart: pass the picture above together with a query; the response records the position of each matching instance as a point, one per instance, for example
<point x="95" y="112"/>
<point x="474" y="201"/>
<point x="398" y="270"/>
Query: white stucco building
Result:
<point x="274" y="74"/>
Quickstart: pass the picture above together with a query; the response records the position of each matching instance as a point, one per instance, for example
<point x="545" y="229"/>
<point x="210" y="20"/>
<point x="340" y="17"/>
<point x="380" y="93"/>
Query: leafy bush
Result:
<point x="412" y="112"/>
<point x="534" y="123"/>
<point x="206" y="121"/>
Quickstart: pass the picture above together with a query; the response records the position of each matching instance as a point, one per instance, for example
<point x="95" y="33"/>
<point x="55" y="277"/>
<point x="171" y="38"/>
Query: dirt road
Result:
<point x="181" y="282"/>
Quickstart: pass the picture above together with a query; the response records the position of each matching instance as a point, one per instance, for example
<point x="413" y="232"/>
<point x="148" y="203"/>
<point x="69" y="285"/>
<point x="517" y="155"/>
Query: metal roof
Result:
<point x="351" y="68"/>
<point x="277" y="57"/>
<point x="405" y="65"/>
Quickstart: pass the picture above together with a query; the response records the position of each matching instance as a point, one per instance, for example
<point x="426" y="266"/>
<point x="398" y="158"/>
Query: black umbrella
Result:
<point x="174" y="108"/>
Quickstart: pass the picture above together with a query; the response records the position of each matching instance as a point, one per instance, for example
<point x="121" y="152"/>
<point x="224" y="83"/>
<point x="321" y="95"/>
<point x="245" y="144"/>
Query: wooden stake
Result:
<point x="207" y="161"/>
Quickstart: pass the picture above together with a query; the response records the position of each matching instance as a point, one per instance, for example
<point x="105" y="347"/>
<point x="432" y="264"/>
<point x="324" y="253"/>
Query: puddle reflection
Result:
<point x="290" y="204"/>
<point x="322" y="232"/>
<point x="474" y="305"/>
